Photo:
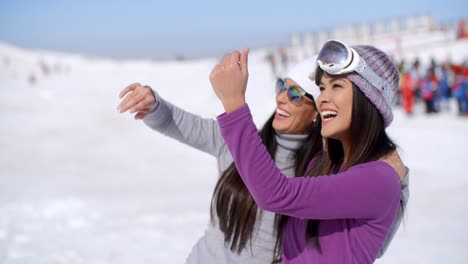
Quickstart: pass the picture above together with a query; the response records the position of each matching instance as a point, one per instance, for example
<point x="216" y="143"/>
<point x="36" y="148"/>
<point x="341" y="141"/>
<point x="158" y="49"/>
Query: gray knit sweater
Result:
<point x="204" y="134"/>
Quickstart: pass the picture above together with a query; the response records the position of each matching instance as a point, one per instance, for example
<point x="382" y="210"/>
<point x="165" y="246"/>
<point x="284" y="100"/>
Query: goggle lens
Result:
<point x="333" y="53"/>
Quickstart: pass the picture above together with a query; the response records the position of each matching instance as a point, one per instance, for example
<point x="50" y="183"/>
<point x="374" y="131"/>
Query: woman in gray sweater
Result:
<point x="239" y="232"/>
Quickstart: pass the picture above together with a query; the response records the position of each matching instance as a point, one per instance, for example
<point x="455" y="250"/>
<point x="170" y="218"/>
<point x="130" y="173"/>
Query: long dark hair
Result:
<point x="311" y="149"/>
<point x="236" y="209"/>
<point x="369" y="142"/>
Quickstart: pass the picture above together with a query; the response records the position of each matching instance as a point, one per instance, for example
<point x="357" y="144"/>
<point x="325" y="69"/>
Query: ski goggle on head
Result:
<point x="336" y="58"/>
<point x="295" y="93"/>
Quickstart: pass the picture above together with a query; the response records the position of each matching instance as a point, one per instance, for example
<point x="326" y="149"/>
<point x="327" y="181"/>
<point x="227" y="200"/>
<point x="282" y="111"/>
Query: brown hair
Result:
<point x="233" y="204"/>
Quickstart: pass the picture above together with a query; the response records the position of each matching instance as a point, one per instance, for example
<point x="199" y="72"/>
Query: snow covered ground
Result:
<point x="81" y="183"/>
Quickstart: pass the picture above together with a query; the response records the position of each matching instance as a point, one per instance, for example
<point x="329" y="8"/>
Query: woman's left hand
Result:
<point x="394" y="160"/>
<point x="229" y="80"/>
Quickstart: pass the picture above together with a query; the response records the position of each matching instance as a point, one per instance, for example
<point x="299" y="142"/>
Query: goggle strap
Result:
<point x="375" y="80"/>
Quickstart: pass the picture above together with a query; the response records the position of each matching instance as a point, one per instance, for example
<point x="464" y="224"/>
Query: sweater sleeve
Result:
<point x="200" y="133"/>
<point x="363" y="191"/>
<point x="404" y="197"/>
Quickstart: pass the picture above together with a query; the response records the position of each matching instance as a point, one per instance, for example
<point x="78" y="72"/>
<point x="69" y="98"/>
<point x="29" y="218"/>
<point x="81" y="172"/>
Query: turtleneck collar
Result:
<point x="289" y="141"/>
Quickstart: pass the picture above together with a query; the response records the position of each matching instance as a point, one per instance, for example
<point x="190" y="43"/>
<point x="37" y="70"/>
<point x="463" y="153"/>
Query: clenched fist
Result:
<point x="229" y="80"/>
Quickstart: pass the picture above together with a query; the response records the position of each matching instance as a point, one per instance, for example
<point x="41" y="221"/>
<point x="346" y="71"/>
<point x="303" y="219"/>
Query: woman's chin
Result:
<point x="326" y="133"/>
<point x="279" y="127"/>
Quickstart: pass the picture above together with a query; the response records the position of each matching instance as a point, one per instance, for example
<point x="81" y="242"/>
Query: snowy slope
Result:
<point x="82" y="183"/>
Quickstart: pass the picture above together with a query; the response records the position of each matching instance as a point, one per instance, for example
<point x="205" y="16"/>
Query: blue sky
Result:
<point x="163" y="29"/>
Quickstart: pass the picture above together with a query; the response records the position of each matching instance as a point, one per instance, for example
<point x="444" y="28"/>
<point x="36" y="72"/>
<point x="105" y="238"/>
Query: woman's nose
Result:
<point x="282" y="97"/>
<point x="323" y="97"/>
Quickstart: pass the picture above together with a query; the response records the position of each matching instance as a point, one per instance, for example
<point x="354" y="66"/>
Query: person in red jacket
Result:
<point x="407" y="93"/>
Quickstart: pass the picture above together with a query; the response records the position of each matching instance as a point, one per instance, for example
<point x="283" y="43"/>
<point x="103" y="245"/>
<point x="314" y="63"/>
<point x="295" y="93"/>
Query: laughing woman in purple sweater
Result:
<point x="341" y="211"/>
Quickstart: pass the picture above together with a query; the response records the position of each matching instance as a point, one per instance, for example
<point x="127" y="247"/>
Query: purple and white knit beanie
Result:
<point x="383" y="66"/>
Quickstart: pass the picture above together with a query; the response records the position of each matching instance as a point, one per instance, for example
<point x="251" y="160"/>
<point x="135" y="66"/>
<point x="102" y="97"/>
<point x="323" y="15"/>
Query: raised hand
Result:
<point x="138" y="99"/>
<point x="229" y="80"/>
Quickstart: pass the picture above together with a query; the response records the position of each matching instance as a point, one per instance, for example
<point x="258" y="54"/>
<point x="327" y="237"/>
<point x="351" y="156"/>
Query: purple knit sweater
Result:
<point x="356" y="208"/>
